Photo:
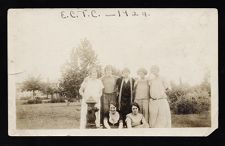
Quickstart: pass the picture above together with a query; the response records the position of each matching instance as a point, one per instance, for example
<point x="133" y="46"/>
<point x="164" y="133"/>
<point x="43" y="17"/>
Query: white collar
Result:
<point x="126" y="79"/>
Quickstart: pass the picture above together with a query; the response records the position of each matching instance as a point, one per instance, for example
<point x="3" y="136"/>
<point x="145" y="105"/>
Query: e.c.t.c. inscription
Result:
<point x="95" y="13"/>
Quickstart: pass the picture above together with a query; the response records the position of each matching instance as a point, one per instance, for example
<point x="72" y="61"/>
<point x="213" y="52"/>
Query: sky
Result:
<point x="182" y="42"/>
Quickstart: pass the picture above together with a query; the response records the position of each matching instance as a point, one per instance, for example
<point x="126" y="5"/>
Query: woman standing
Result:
<point x="109" y="91"/>
<point x="91" y="87"/>
<point x="126" y="89"/>
<point x="136" y="119"/>
<point x="142" y="92"/>
<point x="159" y="110"/>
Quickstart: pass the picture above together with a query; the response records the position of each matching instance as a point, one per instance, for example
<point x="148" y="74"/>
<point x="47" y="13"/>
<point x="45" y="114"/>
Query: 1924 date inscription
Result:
<point x="93" y="13"/>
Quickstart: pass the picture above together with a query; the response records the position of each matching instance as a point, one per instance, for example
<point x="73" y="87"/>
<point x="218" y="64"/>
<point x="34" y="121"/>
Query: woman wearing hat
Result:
<point x="125" y="86"/>
<point x="142" y="92"/>
<point x="159" y="110"/>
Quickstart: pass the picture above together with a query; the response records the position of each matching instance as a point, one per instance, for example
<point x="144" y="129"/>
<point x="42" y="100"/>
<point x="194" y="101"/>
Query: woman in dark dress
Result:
<point x="112" y="119"/>
<point x="125" y="87"/>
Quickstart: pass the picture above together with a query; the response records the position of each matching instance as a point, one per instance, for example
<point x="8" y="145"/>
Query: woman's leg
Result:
<point x="153" y="113"/>
<point x="112" y="98"/>
<point x="140" y="103"/>
<point x="145" y="104"/>
<point x="97" y="114"/>
<point x="104" y="108"/>
<point x="105" y="103"/>
<point x="164" y="115"/>
<point x="83" y="114"/>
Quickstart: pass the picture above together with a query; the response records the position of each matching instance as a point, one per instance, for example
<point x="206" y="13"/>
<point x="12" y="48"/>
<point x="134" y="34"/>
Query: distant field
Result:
<point x="61" y="116"/>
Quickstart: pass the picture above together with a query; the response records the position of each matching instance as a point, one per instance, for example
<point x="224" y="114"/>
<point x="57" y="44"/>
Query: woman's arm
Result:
<point x="144" y="123"/>
<point x="101" y="87"/>
<point x="135" y="84"/>
<point x="165" y="84"/>
<point x="117" y="86"/>
<point x="106" y="124"/>
<point x="134" y="89"/>
<point x="82" y="87"/>
<point x="128" y="122"/>
<point x="120" y="124"/>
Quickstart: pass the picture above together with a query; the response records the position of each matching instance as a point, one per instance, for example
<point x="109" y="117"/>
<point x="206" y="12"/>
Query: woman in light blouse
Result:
<point x="136" y="119"/>
<point x="142" y="96"/>
<point x="109" y="91"/>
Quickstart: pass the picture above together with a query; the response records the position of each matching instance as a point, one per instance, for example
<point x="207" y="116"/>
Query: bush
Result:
<point x="73" y="99"/>
<point x="34" y="101"/>
<point x="190" y="100"/>
<point x="25" y="98"/>
<point x="186" y="106"/>
<point x="58" y="99"/>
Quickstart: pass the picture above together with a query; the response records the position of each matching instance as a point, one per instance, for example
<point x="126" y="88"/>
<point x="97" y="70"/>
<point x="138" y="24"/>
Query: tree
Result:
<point x="86" y="56"/>
<point x="81" y="59"/>
<point x="49" y="88"/>
<point x="32" y="84"/>
<point x="205" y="85"/>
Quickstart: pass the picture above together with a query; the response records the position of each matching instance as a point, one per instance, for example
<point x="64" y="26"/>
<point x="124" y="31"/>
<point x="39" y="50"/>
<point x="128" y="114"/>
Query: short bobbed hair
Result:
<point x="135" y="104"/>
<point x="142" y="70"/>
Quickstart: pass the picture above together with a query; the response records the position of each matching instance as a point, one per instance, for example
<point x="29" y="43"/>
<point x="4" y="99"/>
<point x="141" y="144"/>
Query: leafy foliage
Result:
<point x="49" y="88"/>
<point x="34" y="101"/>
<point x="82" y="59"/>
<point x="32" y="84"/>
<point x="185" y="99"/>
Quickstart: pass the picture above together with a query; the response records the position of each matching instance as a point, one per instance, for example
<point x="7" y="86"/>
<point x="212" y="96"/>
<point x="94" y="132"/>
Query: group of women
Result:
<point x="125" y="102"/>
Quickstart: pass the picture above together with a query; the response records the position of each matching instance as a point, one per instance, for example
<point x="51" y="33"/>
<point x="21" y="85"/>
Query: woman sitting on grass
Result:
<point x="112" y="119"/>
<point x="136" y="119"/>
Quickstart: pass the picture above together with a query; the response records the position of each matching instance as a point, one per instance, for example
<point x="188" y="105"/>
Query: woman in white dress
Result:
<point x="159" y="110"/>
<point x="91" y="87"/>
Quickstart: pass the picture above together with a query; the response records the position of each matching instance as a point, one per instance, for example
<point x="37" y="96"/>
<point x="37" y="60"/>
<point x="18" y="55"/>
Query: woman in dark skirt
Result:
<point x="125" y="86"/>
<point x="109" y="91"/>
<point x="112" y="119"/>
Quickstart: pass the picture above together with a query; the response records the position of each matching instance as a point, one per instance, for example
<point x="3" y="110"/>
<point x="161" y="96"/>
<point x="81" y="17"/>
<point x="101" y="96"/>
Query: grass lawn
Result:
<point x="61" y="116"/>
<point x="191" y="120"/>
<point x="48" y="116"/>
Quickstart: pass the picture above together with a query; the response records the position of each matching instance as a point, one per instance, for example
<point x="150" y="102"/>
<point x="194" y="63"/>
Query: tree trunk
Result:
<point x="33" y="94"/>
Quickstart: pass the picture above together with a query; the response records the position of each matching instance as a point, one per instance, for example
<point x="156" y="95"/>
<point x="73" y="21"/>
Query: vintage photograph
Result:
<point x="112" y="72"/>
